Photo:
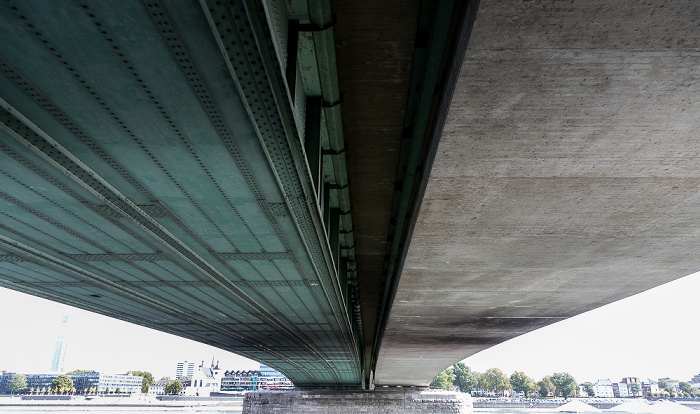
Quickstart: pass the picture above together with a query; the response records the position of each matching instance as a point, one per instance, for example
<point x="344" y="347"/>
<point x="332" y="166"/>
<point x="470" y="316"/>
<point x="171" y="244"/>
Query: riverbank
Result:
<point x="117" y="403"/>
<point x="542" y="404"/>
<point x="530" y="405"/>
<point x="234" y="404"/>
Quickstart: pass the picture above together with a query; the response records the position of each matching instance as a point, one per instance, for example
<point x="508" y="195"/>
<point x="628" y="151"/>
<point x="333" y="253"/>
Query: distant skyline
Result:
<point x="650" y="335"/>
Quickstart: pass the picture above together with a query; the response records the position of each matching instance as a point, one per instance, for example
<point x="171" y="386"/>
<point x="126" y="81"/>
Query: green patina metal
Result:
<point x="154" y="168"/>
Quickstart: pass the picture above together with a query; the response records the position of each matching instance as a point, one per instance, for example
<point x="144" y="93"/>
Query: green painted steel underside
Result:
<point x="152" y="169"/>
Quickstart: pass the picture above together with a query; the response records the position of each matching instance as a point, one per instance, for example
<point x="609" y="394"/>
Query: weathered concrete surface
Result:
<point x="566" y="178"/>
<point x="399" y="401"/>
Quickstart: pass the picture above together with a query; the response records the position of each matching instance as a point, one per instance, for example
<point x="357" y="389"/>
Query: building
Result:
<point x="39" y="382"/>
<point x="86" y="383"/>
<point x="5" y="378"/>
<point x="240" y="380"/>
<point x="158" y="387"/>
<point x="650" y="387"/>
<point x="620" y="390"/>
<point x="603" y="388"/>
<point x="695" y="379"/>
<point x="124" y="383"/>
<point x="204" y="381"/>
<point x="273" y="379"/>
<point x="83" y="383"/>
<point x="184" y="369"/>
<point x="634" y="386"/>
<point x="264" y="378"/>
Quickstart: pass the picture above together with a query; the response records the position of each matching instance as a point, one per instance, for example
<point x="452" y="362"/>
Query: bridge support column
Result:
<point x="409" y="401"/>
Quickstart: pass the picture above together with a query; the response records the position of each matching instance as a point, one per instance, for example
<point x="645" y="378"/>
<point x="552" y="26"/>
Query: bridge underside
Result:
<point x="566" y="177"/>
<point x="182" y="165"/>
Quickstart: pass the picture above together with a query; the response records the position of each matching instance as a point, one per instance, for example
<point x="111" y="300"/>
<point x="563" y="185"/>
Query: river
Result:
<point x="116" y="410"/>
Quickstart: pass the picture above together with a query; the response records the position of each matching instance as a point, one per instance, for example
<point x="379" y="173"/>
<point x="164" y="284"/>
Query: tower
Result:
<point x="59" y="353"/>
<point x="184" y="369"/>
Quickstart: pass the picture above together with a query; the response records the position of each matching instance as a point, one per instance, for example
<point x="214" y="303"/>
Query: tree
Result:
<point x="494" y="380"/>
<point x="118" y="391"/>
<point x="465" y="379"/>
<point x="79" y="371"/>
<point x="17" y="383"/>
<point x="546" y="386"/>
<point x="685" y="387"/>
<point x="635" y="388"/>
<point x="107" y="390"/>
<point x="62" y="384"/>
<point x="147" y="379"/>
<point x="444" y="380"/>
<point x="173" y="387"/>
<point x="565" y="384"/>
<point x="588" y="388"/>
<point x="668" y="386"/>
<point x="522" y="383"/>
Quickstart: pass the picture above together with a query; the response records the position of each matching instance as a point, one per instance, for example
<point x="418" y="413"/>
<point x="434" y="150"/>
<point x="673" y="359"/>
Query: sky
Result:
<point x="654" y="334"/>
<point x="29" y="327"/>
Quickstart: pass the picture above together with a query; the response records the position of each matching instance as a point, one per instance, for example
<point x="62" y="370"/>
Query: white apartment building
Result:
<point x="603" y="388"/>
<point x="158" y="387"/>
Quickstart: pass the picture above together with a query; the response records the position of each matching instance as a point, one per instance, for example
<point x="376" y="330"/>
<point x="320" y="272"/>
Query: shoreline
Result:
<point x="119" y="407"/>
<point x="126" y="403"/>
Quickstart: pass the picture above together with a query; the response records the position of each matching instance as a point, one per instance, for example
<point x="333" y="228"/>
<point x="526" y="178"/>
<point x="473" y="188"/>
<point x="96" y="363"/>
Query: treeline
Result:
<point x="494" y="381"/>
<point x="675" y="388"/>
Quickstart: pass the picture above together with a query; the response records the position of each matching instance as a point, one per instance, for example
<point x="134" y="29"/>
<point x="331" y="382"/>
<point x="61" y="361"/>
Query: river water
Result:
<point x="74" y="410"/>
<point x="188" y="410"/>
<point x="116" y="410"/>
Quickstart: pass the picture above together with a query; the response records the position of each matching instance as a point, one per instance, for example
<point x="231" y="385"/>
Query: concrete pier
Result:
<point x="404" y="401"/>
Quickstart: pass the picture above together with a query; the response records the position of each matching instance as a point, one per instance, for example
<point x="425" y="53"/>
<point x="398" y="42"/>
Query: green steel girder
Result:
<point x="152" y="168"/>
<point x="286" y="88"/>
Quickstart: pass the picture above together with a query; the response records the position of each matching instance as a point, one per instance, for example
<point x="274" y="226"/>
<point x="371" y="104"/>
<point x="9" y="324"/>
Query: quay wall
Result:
<point x="365" y="402"/>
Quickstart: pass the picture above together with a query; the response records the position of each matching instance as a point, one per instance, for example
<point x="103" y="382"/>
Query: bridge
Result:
<point x="359" y="193"/>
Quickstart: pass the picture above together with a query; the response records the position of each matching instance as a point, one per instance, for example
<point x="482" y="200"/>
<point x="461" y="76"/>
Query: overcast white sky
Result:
<point x="29" y="327"/>
<point x="651" y="335"/>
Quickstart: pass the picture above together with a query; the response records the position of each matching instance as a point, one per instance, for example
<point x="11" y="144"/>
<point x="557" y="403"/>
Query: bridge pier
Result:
<point x="395" y="400"/>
